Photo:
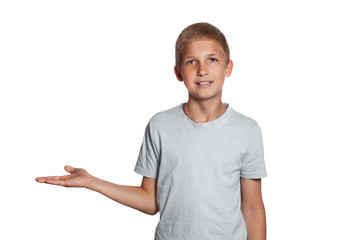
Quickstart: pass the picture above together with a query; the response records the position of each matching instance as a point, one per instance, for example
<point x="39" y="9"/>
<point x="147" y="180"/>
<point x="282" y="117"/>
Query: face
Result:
<point x="203" y="69"/>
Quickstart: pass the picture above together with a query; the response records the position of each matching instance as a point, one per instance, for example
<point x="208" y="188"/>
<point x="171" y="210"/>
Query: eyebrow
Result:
<point x="209" y="55"/>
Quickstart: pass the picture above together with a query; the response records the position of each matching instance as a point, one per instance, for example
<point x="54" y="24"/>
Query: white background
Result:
<point x="81" y="79"/>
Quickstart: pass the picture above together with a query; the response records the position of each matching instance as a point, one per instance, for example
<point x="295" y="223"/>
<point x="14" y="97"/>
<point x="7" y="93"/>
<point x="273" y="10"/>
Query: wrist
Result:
<point x="91" y="183"/>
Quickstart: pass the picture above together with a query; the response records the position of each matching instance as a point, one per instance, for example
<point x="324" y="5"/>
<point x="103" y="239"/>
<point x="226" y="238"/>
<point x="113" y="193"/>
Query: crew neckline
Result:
<point x="204" y="124"/>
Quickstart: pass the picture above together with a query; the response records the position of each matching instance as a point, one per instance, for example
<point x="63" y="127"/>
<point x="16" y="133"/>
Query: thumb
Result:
<point x="69" y="169"/>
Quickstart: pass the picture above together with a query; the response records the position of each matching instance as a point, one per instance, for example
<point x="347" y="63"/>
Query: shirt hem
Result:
<point x="253" y="175"/>
<point x="145" y="172"/>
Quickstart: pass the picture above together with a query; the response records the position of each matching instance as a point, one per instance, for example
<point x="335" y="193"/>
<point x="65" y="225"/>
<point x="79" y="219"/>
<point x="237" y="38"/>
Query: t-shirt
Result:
<point x="198" y="168"/>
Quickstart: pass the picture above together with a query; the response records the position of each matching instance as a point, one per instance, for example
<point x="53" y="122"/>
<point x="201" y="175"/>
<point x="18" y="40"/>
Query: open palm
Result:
<point x="78" y="177"/>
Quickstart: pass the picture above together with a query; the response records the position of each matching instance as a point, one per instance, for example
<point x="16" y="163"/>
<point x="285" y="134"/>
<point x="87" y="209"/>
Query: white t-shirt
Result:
<point x="198" y="168"/>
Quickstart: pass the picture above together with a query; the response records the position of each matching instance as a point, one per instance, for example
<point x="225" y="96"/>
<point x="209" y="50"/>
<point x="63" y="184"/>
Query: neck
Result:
<point x="204" y="111"/>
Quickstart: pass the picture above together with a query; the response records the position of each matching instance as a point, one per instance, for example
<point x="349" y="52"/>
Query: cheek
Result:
<point x="188" y="73"/>
<point x="221" y="73"/>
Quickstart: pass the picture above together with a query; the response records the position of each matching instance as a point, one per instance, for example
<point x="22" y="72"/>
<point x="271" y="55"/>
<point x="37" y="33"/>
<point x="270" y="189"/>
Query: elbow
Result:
<point x="154" y="210"/>
<point x="151" y="208"/>
<point x="252" y="208"/>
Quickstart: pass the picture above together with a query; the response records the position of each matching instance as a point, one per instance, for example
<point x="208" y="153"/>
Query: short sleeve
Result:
<point x="148" y="159"/>
<point x="253" y="164"/>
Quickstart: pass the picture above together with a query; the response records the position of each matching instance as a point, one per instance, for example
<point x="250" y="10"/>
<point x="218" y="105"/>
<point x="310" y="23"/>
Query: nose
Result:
<point x="202" y="74"/>
<point x="202" y="71"/>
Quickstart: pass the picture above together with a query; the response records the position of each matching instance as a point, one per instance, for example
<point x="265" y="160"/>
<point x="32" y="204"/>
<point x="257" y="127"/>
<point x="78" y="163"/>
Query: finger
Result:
<point x="56" y="180"/>
<point x="40" y="179"/>
<point x="69" y="169"/>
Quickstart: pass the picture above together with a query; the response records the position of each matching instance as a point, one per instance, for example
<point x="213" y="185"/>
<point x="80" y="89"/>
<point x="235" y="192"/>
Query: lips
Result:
<point x="204" y="82"/>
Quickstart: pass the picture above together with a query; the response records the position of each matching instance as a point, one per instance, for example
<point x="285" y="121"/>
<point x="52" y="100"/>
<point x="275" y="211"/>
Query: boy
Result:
<point x="202" y="161"/>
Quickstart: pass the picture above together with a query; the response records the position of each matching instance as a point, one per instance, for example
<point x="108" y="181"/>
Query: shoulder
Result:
<point x="163" y="118"/>
<point x="242" y="120"/>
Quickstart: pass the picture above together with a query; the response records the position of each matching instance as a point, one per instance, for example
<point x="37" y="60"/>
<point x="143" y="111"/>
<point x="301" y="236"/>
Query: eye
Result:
<point x="213" y="60"/>
<point x="190" y="62"/>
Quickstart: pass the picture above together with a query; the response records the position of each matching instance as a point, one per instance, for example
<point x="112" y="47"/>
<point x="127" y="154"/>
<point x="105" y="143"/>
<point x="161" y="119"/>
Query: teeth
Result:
<point x="202" y="83"/>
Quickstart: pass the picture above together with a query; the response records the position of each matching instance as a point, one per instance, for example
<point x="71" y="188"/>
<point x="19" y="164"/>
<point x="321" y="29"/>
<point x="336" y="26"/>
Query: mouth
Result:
<point x="204" y="83"/>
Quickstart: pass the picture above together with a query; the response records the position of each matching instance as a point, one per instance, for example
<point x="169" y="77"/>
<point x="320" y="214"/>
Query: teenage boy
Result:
<point x="201" y="161"/>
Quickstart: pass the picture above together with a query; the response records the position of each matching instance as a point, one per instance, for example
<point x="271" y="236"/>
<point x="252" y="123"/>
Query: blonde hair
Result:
<point x="199" y="31"/>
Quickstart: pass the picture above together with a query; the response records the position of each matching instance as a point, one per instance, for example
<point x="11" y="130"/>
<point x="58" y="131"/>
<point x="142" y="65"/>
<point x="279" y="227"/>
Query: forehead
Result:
<point x="203" y="46"/>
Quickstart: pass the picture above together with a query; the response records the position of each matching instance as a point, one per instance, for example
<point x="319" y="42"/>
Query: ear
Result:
<point x="229" y="68"/>
<point x="178" y="74"/>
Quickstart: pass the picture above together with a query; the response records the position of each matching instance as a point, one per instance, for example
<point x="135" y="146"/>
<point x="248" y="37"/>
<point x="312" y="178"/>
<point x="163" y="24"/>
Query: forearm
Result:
<point x="255" y="220"/>
<point x="132" y="196"/>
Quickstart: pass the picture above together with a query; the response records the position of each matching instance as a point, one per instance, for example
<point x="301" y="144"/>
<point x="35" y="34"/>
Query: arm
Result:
<point x="142" y="198"/>
<point x="253" y="208"/>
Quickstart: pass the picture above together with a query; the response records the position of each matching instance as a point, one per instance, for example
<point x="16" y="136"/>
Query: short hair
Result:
<point x="199" y="31"/>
